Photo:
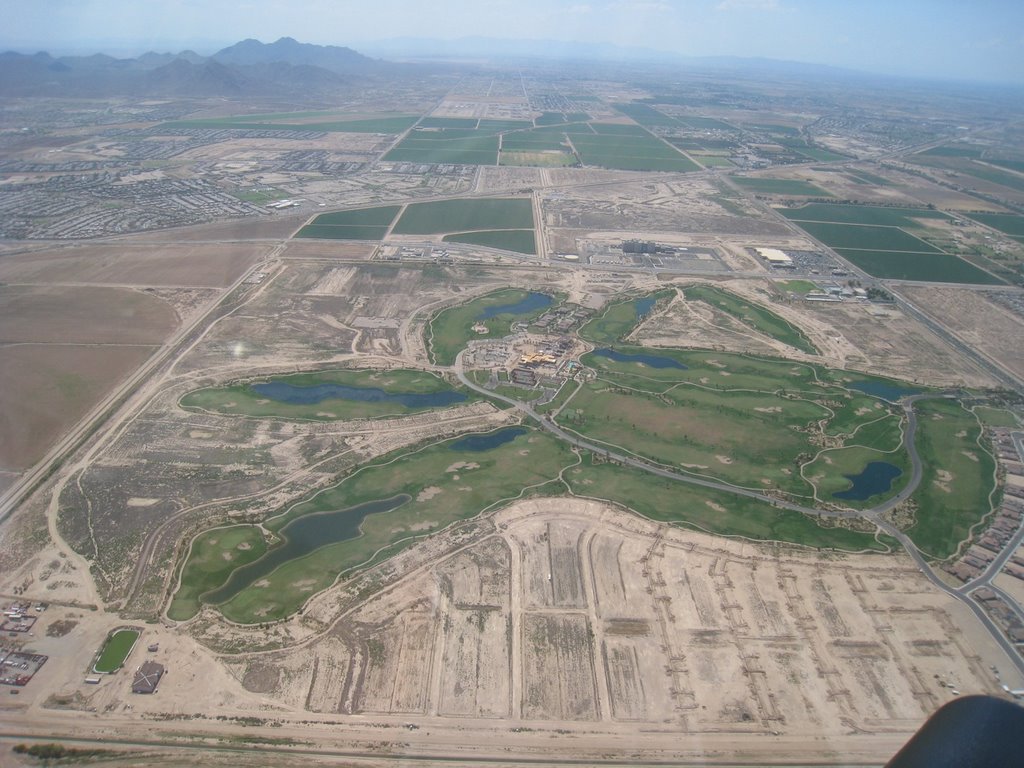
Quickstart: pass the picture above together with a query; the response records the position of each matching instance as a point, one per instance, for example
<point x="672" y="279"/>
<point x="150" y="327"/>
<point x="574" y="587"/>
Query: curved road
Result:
<point x="874" y="514"/>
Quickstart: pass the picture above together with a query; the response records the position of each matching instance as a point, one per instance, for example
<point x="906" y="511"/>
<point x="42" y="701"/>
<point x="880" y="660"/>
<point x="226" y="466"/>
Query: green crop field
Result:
<point x="115" y="651"/>
<point x="464" y="215"/>
<point x="342" y="233"/>
<point x="793" y="187"/>
<point x="864" y="177"/>
<point x="957" y="488"/>
<point x="445" y="485"/>
<point x="866" y="237"/>
<point x="448" y="122"/>
<point x="619" y="319"/>
<point x="645" y="115"/>
<point x="704" y="418"/>
<point x="706" y="123"/>
<point x="518" y="240"/>
<point x="759" y="318"/>
<point x="447" y="145"/>
<point x="817" y="153"/>
<point x="618" y="129"/>
<point x="530" y="141"/>
<point x="708" y="510"/>
<point x="712" y="161"/>
<point x="861" y="214"/>
<point x="240" y="399"/>
<point x="214" y="555"/>
<point x="541" y="159"/>
<point x="359" y="224"/>
<point x="631" y="153"/>
<point x="450" y="329"/>
<point x="932" y="267"/>
<point x="1008" y="223"/>
<point x="504" y="125"/>
<point x="381" y="216"/>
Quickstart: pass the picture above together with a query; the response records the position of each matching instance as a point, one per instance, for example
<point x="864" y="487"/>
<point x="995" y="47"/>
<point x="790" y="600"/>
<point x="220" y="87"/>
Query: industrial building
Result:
<point x="775" y="258"/>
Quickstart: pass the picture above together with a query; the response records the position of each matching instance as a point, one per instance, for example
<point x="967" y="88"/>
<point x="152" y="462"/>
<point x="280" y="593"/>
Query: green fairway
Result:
<point x="866" y="237"/>
<point x="793" y="187"/>
<point x="1008" y="223"/>
<point x="619" y="318"/>
<point x="958" y="485"/>
<point x="116" y="650"/>
<point x="450" y="329"/>
<point x="465" y="214"/>
<point x="446" y="484"/>
<point x="708" y="510"/>
<point x="933" y="267"/>
<point x="214" y="555"/>
<point x="746" y="421"/>
<point x="330" y="395"/>
<point x="518" y="240"/>
<point x="861" y="214"/>
<point x="759" y="318"/>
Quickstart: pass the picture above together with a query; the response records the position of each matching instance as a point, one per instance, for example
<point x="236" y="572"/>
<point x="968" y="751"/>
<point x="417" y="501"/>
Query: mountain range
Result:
<point x="248" y="68"/>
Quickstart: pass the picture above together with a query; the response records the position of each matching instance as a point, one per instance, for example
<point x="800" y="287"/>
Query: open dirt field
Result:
<point x="84" y="315"/>
<point x="989" y="328"/>
<point x="46" y="388"/>
<point x="202" y="265"/>
<point x="574" y="615"/>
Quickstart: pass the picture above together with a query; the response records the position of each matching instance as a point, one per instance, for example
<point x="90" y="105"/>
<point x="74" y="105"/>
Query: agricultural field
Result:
<point x="785" y="187"/>
<point x="862" y="214"/>
<point x="462" y="145"/>
<point x="760" y="318"/>
<point x="630" y="152"/>
<point x="450" y="329"/>
<point x="696" y="412"/>
<point x="518" y="240"/>
<point x="361" y="224"/>
<point x="115" y="650"/>
<point x="1007" y="223"/>
<point x="465" y="215"/>
<point x="866" y="237"/>
<point x="329" y="395"/>
<point x="933" y="267"/>
<point x="958" y="487"/>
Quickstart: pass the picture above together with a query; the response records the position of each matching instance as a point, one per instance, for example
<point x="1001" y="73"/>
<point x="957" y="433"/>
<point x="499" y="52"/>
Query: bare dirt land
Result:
<point x="46" y="388"/>
<point x="61" y="314"/>
<point x="988" y="327"/>
<point x="202" y="265"/>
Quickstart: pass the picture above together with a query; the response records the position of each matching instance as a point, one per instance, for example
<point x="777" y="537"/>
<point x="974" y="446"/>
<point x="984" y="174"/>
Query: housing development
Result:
<point x="505" y="413"/>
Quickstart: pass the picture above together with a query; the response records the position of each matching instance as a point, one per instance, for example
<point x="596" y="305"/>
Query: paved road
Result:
<point x="874" y="514"/>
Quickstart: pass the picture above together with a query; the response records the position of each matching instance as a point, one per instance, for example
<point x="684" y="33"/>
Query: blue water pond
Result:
<point x="654" y="361"/>
<point x="531" y="303"/>
<point x="488" y="441"/>
<point x="302" y="536"/>
<point x="876" y="478"/>
<point x="283" y="392"/>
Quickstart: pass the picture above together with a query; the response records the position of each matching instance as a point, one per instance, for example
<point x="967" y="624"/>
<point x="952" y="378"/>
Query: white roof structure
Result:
<point x="774" y="256"/>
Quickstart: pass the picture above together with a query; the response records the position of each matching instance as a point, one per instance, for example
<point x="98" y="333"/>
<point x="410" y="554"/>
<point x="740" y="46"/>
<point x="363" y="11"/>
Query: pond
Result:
<point x="531" y="303"/>
<point x="644" y="306"/>
<point x="283" y="392"/>
<point x="876" y="478"/>
<point x="300" y="537"/>
<point x="654" y="361"/>
<point x="488" y="441"/>
<point x="883" y="389"/>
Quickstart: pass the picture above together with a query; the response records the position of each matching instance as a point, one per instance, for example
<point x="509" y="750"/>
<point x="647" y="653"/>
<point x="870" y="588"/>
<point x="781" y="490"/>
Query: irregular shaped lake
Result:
<point x="488" y="441"/>
<point x="301" y="536"/>
<point x="643" y="306"/>
<point x="284" y="392"/>
<point x="877" y="477"/>
<point x="881" y="389"/>
<point x="531" y="303"/>
<point x="653" y="361"/>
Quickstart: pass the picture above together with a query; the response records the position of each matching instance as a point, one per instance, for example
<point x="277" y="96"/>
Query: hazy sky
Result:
<point x="962" y="39"/>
